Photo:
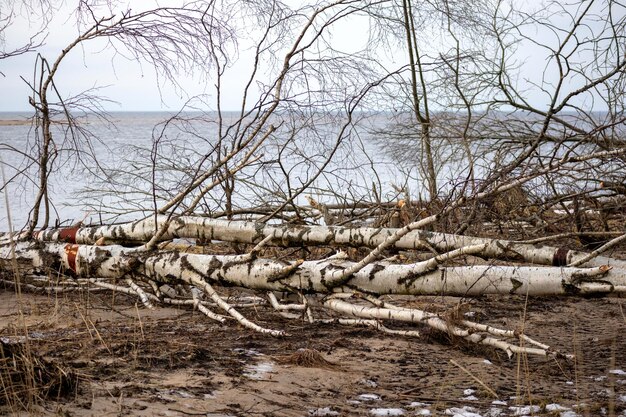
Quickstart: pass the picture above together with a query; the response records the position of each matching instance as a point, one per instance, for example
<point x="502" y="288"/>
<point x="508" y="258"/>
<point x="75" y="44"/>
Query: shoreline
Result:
<point x="14" y="122"/>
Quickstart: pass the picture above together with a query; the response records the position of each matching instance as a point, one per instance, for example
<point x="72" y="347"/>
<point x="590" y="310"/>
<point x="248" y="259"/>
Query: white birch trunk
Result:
<point x="379" y="278"/>
<point x="250" y="232"/>
<point x="313" y="276"/>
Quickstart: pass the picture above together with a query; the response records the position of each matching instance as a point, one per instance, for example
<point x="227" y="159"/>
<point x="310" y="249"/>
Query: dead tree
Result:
<point x="311" y="93"/>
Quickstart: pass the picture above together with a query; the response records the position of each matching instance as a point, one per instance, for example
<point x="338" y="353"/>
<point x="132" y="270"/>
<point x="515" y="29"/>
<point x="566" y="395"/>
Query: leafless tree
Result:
<point x="167" y="38"/>
<point x="495" y="142"/>
<point x="8" y="14"/>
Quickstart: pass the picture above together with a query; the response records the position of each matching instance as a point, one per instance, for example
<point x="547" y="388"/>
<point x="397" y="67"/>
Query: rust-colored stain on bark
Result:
<point x="68" y="234"/>
<point x="71" y="251"/>
<point x="560" y="257"/>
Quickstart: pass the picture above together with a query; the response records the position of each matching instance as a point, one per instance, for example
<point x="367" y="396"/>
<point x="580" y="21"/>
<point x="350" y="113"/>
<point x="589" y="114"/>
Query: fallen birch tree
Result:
<point x="204" y="272"/>
<point x="532" y="144"/>
<point x="89" y="253"/>
<point x="207" y="229"/>
<point x="383" y="277"/>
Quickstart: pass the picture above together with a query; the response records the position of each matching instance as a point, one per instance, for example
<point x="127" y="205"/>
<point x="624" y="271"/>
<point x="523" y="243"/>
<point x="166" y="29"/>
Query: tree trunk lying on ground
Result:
<point x="207" y="229"/>
<point x="379" y="278"/>
<point x="147" y="272"/>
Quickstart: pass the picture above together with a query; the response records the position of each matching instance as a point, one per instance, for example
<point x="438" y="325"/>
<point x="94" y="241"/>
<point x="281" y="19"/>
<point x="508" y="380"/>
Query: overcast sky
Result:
<point x="135" y="87"/>
<point x="132" y="85"/>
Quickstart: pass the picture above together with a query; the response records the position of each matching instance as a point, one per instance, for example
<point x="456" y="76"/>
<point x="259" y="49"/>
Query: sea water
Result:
<point x="122" y="166"/>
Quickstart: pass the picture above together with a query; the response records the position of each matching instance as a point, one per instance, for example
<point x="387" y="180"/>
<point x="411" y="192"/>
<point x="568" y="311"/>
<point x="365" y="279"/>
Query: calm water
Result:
<point x="112" y="177"/>
<point x="79" y="188"/>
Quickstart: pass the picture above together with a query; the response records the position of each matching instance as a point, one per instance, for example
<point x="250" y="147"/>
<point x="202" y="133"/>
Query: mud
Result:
<point x="175" y="362"/>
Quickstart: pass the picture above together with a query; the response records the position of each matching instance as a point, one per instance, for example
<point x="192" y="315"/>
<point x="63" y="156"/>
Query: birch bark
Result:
<point x="378" y="278"/>
<point x="251" y="232"/>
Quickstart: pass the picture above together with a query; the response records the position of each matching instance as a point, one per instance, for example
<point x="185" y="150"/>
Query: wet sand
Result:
<point x="176" y="362"/>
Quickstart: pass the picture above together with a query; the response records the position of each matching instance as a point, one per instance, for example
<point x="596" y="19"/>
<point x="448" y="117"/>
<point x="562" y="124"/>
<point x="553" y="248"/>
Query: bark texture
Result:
<point x="250" y="232"/>
<point x="380" y="278"/>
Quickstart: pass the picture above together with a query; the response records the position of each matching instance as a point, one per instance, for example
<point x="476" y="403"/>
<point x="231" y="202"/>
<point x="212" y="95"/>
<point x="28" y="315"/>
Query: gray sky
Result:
<point x="131" y="84"/>
<point x="135" y="86"/>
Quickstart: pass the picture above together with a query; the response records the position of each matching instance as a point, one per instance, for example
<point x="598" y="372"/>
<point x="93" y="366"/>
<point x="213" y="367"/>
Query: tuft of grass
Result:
<point x="26" y="379"/>
<point x="308" y="358"/>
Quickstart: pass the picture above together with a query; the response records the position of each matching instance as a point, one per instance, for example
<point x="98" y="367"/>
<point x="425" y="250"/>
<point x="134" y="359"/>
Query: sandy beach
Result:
<point x="14" y="122"/>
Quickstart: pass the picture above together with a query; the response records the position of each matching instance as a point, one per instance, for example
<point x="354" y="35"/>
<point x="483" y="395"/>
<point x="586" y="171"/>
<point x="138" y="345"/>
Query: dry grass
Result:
<point x="26" y="378"/>
<point x="307" y="358"/>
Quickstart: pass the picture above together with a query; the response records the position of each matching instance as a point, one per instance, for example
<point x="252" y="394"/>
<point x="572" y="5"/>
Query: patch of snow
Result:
<point x="210" y="396"/>
<point x="387" y="411"/>
<point x="369" y="383"/>
<point x="323" y="412"/>
<point x="353" y="402"/>
<point x="423" y="412"/>
<point x="470" y="398"/>
<point x="494" y="412"/>
<point x="470" y="314"/>
<point x="469" y="391"/>
<point x="525" y="410"/>
<point x="622" y="398"/>
<point x="600" y="378"/>
<point x="569" y="382"/>
<point x="462" y="412"/>
<point x="183" y="394"/>
<point x="556" y="407"/>
<point x="13" y="340"/>
<point x="416" y="404"/>
<point x="569" y="413"/>
<point x="498" y="402"/>
<point x="617" y="372"/>
<point x="487" y="362"/>
<point x="369" y="397"/>
<point x="259" y="370"/>
<point x="169" y="393"/>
